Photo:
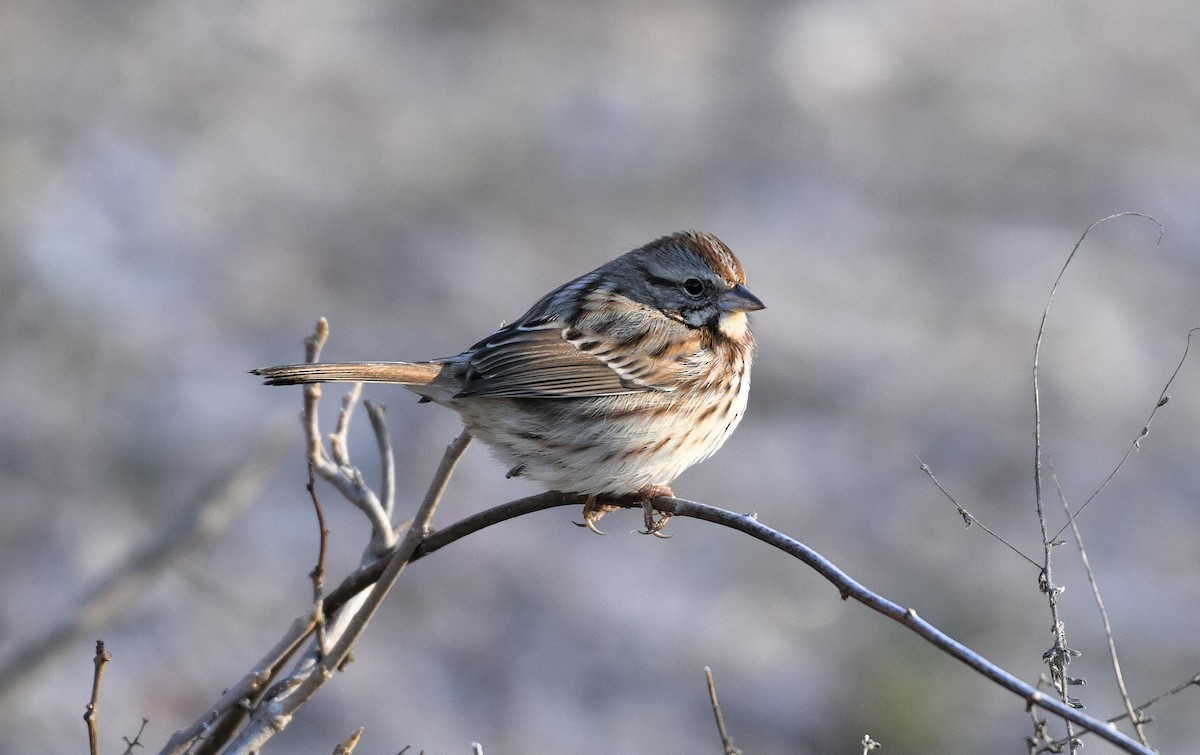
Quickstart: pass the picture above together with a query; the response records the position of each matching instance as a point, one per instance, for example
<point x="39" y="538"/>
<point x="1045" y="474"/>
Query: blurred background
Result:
<point x="186" y="186"/>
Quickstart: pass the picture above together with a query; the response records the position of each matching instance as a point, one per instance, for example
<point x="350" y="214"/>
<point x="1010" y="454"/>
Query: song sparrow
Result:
<point x="611" y="385"/>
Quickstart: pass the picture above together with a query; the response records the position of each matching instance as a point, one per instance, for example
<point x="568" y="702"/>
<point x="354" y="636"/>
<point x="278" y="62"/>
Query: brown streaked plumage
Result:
<point x="610" y="385"/>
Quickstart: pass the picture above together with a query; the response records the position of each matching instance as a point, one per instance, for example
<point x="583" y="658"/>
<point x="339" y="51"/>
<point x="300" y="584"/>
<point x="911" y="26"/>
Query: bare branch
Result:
<point x="242" y="694"/>
<point x="747" y="524"/>
<point x="1059" y="655"/>
<point x="318" y="572"/>
<point x="1194" y="681"/>
<point x="339" y="444"/>
<point x="273" y="715"/>
<point x="1037" y="350"/>
<point x="387" y="463"/>
<point x="726" y="740"/>
<point x="335" y="467"/>
<point x="89" y="716"/>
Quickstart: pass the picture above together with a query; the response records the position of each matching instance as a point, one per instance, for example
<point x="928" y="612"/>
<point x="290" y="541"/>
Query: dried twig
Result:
<point x="232" y="705"/>
<point x="318" y="572"/>
<point x="338" y="471"/>
<point x="1060" y="654"/>
<point x="347" y="745"/>
<point x="89" y="715"/>
<point x="255" y="691"/>
<point x="1136" y="444"/>
<point x="726" y="740"/>
<point x="1134" y="717"/>
<point x="274" y="714"/>
<point x="137" y="738"/>
<point x="387" y="471"/>
<point x="969" y="518"/>
<point x="1194" y="681"/>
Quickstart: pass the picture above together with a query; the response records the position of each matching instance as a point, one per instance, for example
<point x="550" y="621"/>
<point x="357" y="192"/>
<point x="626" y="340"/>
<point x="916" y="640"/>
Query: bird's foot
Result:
<point x="647" y="496"/>
<point x="592" y="511"/>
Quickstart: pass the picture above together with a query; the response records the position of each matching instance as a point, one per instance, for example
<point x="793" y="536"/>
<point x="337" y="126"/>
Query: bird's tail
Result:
<point x="404" y="373"/>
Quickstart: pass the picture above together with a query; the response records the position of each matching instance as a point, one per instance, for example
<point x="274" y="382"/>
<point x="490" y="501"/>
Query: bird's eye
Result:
<point x="693" y="286"/>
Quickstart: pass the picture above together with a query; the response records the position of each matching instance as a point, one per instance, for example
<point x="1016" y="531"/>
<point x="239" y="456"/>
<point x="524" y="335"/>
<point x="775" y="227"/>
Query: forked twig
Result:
<point x="1060" y="654"/>
<point x="137" y="738"/>
<point x="335" y="467"/>
<point x="273" y="715"/>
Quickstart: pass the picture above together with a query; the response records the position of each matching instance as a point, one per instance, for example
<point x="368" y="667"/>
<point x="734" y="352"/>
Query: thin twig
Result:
<point x="1059" y="655"/>
<point x="970" y="518"/>
<point x="343" y="476"/>
<point x="1136" y="445"/>
<point x="318" y="572"/>
<point x="1194" y="681"/>
<point x="1134" y="717"/>
<point x="339" y="444"/>
<point x="726" y="740"/>
<point x="387" y="459"/>
<point x="1134" y="713"/>
<point x="366" y="576"/>
<point x="100" y="660"/>
<point x="137" y="738"/>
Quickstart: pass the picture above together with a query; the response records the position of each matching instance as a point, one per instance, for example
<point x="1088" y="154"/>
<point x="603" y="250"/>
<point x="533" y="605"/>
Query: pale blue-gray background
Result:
<point x="186" y="187"/>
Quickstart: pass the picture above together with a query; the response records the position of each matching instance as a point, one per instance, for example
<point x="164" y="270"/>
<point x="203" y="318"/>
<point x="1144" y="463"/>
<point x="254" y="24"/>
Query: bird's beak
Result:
<point x="739" y="299"/>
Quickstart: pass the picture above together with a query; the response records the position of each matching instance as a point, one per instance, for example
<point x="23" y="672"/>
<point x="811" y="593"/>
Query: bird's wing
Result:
<point x="547" y="359"/>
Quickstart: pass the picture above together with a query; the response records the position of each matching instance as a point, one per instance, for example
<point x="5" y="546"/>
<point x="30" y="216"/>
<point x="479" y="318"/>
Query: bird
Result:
<point x="610" y="386"/>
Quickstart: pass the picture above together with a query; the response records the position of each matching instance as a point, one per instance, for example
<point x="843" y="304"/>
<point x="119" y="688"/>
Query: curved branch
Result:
<point x="749" y="525"/>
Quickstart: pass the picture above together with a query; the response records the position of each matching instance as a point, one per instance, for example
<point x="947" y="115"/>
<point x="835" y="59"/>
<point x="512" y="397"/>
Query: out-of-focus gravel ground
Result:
<point x="186" y="187"/>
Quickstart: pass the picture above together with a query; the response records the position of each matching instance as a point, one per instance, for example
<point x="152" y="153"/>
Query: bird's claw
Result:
<point x="592" y="511"/>
<point x="654" y="526"/>
<point x="590" y="523"/>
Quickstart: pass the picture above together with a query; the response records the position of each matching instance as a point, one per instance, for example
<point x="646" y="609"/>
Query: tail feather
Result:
<point x="404" y="373"/>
